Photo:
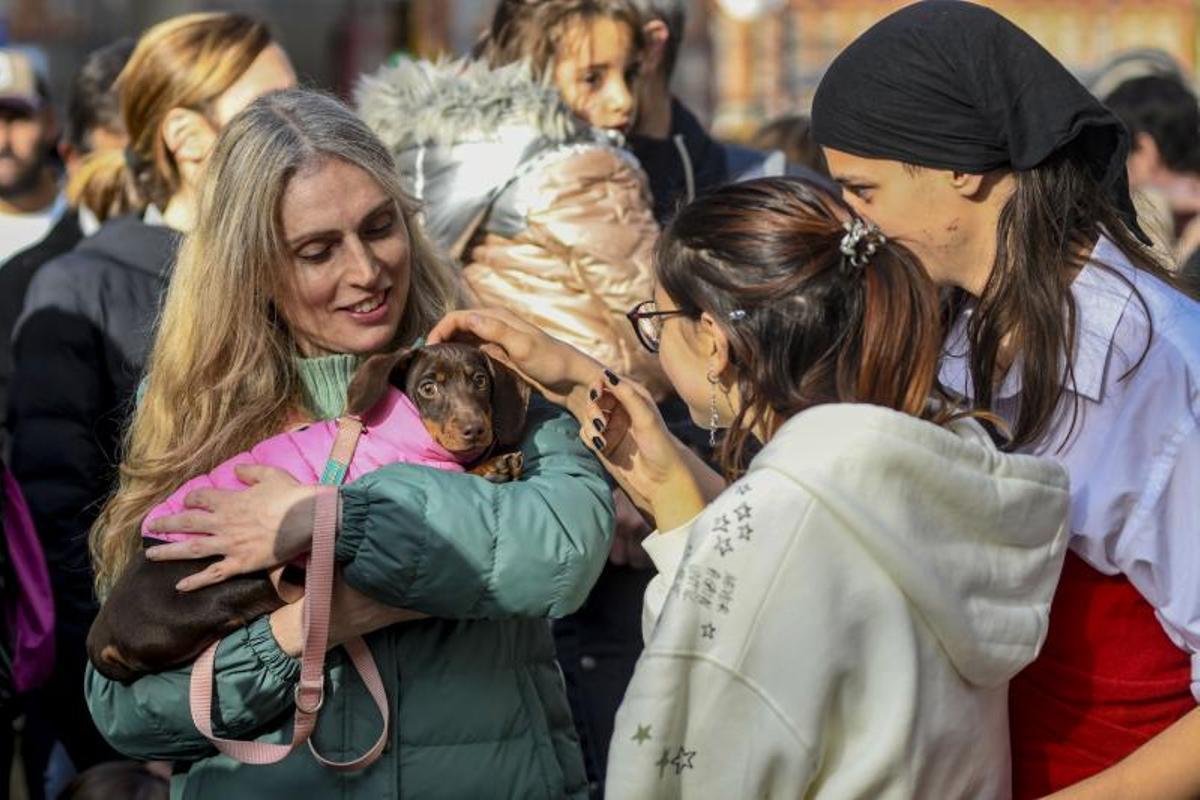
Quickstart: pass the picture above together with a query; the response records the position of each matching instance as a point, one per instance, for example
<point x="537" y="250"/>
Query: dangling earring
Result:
<point x="713" y="420"/>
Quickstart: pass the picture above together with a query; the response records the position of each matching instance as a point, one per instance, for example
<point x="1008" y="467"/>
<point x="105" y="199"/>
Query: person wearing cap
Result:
<point x="29" y="191"/>
<point x="959" y="135"/>
<point x="93" y="124"/>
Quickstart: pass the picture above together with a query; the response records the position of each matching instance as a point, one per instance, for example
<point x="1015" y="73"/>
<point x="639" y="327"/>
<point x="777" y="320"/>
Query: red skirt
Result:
<point x="1107" y="680"/>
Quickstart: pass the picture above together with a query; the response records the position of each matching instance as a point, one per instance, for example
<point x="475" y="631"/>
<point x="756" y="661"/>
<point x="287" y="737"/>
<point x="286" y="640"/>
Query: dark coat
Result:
<point x="80" y="347"/>
<point x="15" y="277"/>
<point x="689" y="161"/>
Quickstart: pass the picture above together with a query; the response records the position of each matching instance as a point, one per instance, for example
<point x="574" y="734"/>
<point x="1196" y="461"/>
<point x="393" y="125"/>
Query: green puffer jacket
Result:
<point x="477" y="699"/>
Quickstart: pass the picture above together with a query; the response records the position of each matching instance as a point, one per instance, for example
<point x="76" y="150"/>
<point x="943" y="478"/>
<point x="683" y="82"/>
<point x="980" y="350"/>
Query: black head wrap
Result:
<point x="953" y="85"/>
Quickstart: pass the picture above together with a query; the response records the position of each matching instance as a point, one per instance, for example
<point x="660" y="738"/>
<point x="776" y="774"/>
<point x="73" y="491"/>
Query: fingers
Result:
<point x="209" y="576"/>
<point x="611" y="391"/>
<point x="196" y="547"/>
<point x="204" y="499"/>
<point x="184" y="522"/>
<point x="488" y="325"/>
<point x="251" y="474"/>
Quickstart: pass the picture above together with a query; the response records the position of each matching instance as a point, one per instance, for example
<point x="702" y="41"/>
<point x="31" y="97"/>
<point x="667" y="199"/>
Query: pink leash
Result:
<point x="318" y="591"/>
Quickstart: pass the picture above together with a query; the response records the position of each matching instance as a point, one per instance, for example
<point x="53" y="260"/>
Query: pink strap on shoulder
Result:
<point x="318" y="592"/>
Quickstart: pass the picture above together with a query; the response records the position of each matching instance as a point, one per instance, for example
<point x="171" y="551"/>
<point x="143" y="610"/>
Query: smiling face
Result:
<point x="350" y="261"/>
<point x="596" y="70"/>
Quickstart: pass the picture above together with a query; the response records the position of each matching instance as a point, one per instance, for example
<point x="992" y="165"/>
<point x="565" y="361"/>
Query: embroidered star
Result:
<point x="642" y="735"/>
<point x="722" y="524"/>
<point x="708" y="630"/>
<point x="743" y="512"/>
<point x="724" y="546"/>
<point x="743" y="489"/>
<point x="663" y="762"/>
<point x="683" y="760"/>
<point x="744" y="532"/>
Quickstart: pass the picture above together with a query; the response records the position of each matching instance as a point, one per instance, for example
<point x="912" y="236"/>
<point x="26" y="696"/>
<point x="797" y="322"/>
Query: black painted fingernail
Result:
<point x="612" y="377"/>
<point x="593" y="395"/>
<point x="598" y="442"/>
<point x="598" y="425"/>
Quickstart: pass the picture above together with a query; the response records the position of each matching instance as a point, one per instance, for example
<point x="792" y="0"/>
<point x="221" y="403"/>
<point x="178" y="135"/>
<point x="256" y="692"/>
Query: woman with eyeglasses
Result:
<point x="834" y="621"/>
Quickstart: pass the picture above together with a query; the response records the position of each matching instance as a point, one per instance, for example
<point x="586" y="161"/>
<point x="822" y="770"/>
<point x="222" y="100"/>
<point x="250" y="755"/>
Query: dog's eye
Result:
<point x="480" y="381"/>
<point x="428" y="390"/>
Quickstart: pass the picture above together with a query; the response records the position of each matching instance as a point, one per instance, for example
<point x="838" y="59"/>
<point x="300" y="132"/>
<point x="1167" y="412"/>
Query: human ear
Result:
<point x="714" y="340"/>
<point x="188" y="135"/>
<point x="656" y="35"/>
<point x="967" y="184"/>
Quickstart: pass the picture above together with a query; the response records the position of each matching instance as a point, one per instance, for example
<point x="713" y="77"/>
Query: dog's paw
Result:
<point x="501" y="469"/>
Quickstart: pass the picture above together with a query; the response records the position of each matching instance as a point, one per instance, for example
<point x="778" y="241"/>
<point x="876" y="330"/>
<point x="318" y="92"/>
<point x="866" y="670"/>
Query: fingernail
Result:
<point x="593" y="395"/>
<point x="612" y="377"/>
<point x="598" y="425"/>
<point x="598" y="443"/>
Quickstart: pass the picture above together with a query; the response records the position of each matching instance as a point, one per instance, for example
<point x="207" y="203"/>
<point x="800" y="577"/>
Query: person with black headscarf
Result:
<point x="955" y="132"/>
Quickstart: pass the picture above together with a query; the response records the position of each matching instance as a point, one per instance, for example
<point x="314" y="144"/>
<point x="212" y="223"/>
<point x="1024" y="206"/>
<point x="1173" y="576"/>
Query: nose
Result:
<point x="473" y="431"/>
<point x="364" y="266"/>
<point x="619" y="98"/>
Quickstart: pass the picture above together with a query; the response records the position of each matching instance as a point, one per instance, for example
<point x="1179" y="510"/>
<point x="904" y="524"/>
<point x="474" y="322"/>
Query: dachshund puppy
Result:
<point x="471" y="412"/>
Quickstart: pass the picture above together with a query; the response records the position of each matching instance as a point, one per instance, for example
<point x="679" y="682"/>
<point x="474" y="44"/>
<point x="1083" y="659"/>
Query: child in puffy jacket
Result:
<point x="516" y="156"/>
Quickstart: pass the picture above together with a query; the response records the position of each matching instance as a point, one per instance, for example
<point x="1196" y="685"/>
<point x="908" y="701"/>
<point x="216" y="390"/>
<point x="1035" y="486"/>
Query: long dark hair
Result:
<point x="805" y="325"/>
<point x="1045" y="234"/>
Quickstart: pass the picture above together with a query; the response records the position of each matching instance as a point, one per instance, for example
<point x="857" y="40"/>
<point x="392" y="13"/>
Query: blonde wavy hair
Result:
<point x="221" y="375"/>
<point x="185" y="62"/>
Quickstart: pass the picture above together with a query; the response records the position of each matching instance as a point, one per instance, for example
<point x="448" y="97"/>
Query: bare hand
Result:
<point x="622" y="425"/>
<point x="553" y="367"/>
<point x="258" y="528"/>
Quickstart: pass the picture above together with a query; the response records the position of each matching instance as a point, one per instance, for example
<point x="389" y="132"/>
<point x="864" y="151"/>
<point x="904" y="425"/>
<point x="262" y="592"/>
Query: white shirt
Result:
<point x="1134" y="454"/>
<point x="843" y="621"/>
<point x="19" y="231"/>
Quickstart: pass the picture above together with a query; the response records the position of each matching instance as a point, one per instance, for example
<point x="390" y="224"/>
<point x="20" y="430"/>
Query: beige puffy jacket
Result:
<point x="550" y="220"/>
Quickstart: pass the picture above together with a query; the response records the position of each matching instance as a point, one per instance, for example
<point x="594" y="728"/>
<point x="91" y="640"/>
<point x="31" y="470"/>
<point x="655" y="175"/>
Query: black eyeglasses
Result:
<point x="647" y="323"/>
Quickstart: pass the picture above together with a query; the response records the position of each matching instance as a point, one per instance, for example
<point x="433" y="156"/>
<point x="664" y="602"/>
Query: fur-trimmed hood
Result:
<point x="461" y="133"/>
<point x="417" y="103"/>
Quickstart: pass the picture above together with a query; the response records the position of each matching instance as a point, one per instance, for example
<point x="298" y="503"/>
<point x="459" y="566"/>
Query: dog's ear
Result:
<point x="373" y="377"/>
<point x="510" y="402"/>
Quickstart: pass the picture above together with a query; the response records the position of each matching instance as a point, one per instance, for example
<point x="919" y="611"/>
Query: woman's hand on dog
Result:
<point x="267" y="524"/>
<point x="621" y="424"/>
<point x="558" y="370"/>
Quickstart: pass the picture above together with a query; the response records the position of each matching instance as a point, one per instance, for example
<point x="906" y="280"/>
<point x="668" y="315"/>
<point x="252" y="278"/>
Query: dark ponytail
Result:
<point x="817" y="327"/>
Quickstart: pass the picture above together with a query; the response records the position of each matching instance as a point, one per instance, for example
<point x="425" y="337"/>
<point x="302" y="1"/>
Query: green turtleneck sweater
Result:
<point x="325" y="381"/>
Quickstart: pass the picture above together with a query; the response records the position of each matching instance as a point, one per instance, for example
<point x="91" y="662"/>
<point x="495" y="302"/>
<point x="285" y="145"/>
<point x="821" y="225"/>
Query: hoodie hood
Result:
<point x="461" y="132"/>
<point x="132" y="243"/>
<point x="973" y="537"/>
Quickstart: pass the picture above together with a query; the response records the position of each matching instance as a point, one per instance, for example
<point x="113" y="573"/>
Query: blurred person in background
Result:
<point x="118" y="780"/>
<point x="1163" y="118"/>
<point x="93" y="124"/>
<point x="792" y="135"/>
<point x="81" y="342"/>
<point x="29" y="190"/>
<point x="678" y="154"/>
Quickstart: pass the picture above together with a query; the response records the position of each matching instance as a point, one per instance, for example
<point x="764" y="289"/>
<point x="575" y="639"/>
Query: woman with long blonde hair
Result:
<point x="306" y="257"/>
<point x="83" y="335"/>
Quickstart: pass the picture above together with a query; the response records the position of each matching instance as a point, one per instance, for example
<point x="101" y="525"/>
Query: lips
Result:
<point x="370" y="309"/>
<point x="370" y="304"/>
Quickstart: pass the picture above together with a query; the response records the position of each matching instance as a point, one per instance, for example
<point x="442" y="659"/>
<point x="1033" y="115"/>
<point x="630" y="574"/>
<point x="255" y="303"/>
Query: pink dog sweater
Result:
<point x="392" y="434"/>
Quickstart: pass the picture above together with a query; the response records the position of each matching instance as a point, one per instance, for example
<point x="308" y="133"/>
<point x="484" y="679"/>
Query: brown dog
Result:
<point x="472" y="405"/>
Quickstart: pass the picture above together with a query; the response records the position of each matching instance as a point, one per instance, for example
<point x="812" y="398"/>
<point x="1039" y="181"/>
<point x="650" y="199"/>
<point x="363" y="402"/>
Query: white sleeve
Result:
<point x="1162" y="559"/>
<point x="666" y="551"/>
<point x="690" y="727"/>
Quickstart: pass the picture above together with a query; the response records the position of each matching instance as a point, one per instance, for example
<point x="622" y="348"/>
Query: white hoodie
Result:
<point x="843" y="621"/>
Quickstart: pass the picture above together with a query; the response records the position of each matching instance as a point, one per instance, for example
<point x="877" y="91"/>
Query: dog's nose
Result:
<point x="473" y="431"/>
